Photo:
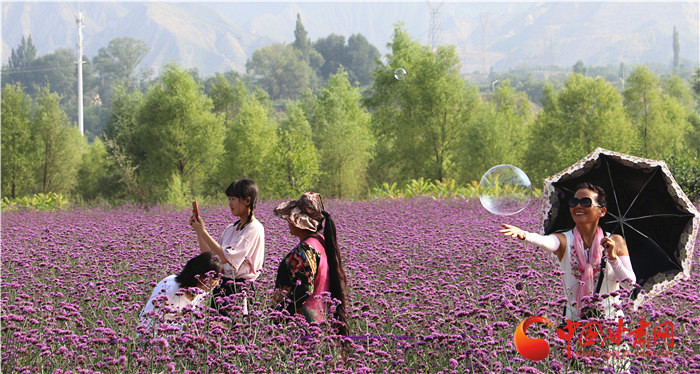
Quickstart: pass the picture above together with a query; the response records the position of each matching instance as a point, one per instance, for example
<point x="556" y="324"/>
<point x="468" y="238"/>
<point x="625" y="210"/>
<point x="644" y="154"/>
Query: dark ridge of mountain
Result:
<point x="220" y="36"/>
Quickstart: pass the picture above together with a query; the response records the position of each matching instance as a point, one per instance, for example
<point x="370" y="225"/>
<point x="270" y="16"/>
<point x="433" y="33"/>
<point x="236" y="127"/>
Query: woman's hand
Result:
<point x="197" y="224"/>
<point x="609" y="244"/>
<point x="512" y="231"/>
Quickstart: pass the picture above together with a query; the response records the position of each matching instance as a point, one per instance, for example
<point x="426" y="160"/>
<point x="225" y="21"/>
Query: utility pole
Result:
<point x="79" y="21"/>
<point x="434" y="26"/>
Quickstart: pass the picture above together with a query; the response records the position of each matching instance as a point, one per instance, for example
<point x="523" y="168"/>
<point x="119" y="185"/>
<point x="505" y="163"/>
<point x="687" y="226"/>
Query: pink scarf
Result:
<point x="586" y="284"/>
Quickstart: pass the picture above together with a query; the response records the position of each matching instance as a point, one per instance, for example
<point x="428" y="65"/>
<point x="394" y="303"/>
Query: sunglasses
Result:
<point x="585" y="202"/>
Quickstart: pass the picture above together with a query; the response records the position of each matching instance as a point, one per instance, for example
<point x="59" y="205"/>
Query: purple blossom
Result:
<point x="437" y="294"/>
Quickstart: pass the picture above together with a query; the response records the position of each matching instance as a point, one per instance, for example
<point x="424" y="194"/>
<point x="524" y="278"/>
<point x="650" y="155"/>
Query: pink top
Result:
<point x="322" y="282"/>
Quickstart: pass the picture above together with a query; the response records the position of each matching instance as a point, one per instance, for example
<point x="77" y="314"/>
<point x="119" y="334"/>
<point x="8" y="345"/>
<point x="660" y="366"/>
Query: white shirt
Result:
<point x="571" y="283"/>
<point x="175" y="300"/>
<point x="244" y="250"/>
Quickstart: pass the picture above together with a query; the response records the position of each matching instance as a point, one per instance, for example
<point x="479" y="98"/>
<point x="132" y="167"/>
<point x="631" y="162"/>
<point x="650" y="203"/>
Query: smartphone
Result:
<point x="195" y="209"/>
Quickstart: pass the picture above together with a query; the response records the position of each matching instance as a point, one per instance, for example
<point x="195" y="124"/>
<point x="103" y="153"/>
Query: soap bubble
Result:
<point x="400" y="73"/>
<point x="505" y="190"/>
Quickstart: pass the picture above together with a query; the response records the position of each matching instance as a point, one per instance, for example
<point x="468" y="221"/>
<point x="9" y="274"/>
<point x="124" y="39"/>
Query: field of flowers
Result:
<point x="432" y="287"/>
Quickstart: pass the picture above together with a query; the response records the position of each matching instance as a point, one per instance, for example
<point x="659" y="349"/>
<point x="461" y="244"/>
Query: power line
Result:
<point x="34" y="69"/>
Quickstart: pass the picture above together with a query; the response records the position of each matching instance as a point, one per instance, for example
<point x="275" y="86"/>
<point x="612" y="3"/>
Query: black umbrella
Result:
<point x="645" y="205"/>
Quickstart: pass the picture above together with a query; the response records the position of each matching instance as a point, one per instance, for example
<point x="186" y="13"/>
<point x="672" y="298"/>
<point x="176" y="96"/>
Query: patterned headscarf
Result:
<point x="304" y="212"/>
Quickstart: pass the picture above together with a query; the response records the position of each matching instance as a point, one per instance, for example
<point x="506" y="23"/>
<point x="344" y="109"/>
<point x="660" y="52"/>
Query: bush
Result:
<point x="686" y="170"/>
<point x="40" y="201"/>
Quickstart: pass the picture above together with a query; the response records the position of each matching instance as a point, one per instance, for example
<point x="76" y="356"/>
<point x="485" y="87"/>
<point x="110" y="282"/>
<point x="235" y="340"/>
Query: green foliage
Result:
<point x="343" y="138"/>
<point x="123" y="119"/>
<point x="97" y="174"/>
<point x="659" y="118"/>
<point x="23" y="55"/>
<point x="445" y="189"/>
<point x="40" y="201"/>
<point x="387" y="191"/>
<point x="227" y="97"/>
<point x="249" y="147"/>
<point x="497" y="134"/>
<point x="297" y="155"/>
<point x="418" y="120"/>
<point x="586" y="114"/>
<point x="281" y="71"/>
<point x="177" y="133"/>
<point x="18" y="149"/>
<point x="357" y="58"/>
<point x="59" y="145"/>
<point x="117" y="63"/>
<point x="177" y="193"/>
<point x="302" y="43"/>
<point x="685" y="168"/>
<point x="124" y="170"/>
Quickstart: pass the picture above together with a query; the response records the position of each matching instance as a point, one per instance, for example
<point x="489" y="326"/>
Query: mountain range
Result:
<point x="221" y="36"/>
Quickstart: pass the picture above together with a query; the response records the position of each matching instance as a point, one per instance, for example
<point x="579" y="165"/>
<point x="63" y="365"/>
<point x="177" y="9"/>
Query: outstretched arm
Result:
<point x="550" y="243"/>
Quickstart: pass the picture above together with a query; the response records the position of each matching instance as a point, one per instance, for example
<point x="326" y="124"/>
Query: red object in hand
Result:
<point x="195" y="210"/>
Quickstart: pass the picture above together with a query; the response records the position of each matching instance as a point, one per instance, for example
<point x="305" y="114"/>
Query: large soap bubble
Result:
<point x="505" y="190"/>
<point x="400" y="73"/>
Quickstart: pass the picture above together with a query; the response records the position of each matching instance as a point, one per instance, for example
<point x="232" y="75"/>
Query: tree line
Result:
<point x="176" y="136"/>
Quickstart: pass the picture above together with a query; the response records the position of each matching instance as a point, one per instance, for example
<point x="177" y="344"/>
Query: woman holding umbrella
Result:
<point x="581" y="252"/>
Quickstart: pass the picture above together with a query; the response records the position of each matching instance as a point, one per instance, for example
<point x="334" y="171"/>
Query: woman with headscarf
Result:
<point x="313" y="268"/>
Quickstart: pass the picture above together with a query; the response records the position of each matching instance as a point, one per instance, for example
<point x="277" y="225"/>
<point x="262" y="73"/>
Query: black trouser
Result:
<point x="229" y="287"/>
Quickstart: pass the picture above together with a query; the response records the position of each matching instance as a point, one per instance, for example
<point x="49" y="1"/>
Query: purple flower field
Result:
<point x="432" y="287"/>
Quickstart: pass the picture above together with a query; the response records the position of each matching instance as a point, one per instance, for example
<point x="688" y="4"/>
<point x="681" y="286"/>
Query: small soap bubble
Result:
<point x="400" y="73"/>
<point x="505" y="190"/>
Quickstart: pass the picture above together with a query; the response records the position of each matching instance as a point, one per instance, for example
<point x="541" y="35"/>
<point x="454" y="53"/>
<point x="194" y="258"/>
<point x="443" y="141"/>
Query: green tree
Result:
<point x="586" y="114"/>
<point x="60" y="145"/>
<point x="96" y="175"/>
<point x="227" y="97"/>
<point x="18" y="150"/>
<point x="361" y="59"/>
<point x="280" y="70"/>
<point x="344" y="138"/>
<point x="660" y="120"/>
<point x="296" y="153"/>
<point x="118" y="62"/>
<point x="418" y="120"/>
<point x="303" y="44"/>
<point x="177" y="133"/>
<point x="358" y="57"/>
<point x="24" y="55"/>
<point x="579" y="68"/>
<point x="250" y="143"/>
<point x="679" y="89"/>
<point x="19" y="69"/>
<point x="497" y="135"/>
<point x="332" y="49"/>
<point x="123" y="117"/>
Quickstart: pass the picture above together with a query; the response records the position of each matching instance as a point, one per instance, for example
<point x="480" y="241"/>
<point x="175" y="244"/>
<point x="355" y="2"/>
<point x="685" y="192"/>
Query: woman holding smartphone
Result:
<point x="240" y="247"/>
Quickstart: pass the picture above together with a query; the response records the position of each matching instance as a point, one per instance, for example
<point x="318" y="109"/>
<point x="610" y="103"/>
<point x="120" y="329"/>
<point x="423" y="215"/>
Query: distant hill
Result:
<point x="216" y="37"/>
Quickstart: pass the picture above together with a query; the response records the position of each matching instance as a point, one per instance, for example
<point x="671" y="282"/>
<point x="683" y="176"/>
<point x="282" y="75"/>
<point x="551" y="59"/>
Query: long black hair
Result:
<point x="197" y="268"/>
<point x="242" y="189"/>
<point x="336" y="272"/>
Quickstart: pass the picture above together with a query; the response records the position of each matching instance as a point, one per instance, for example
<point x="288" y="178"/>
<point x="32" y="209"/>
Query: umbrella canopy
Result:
<point x="645" y="205"/>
